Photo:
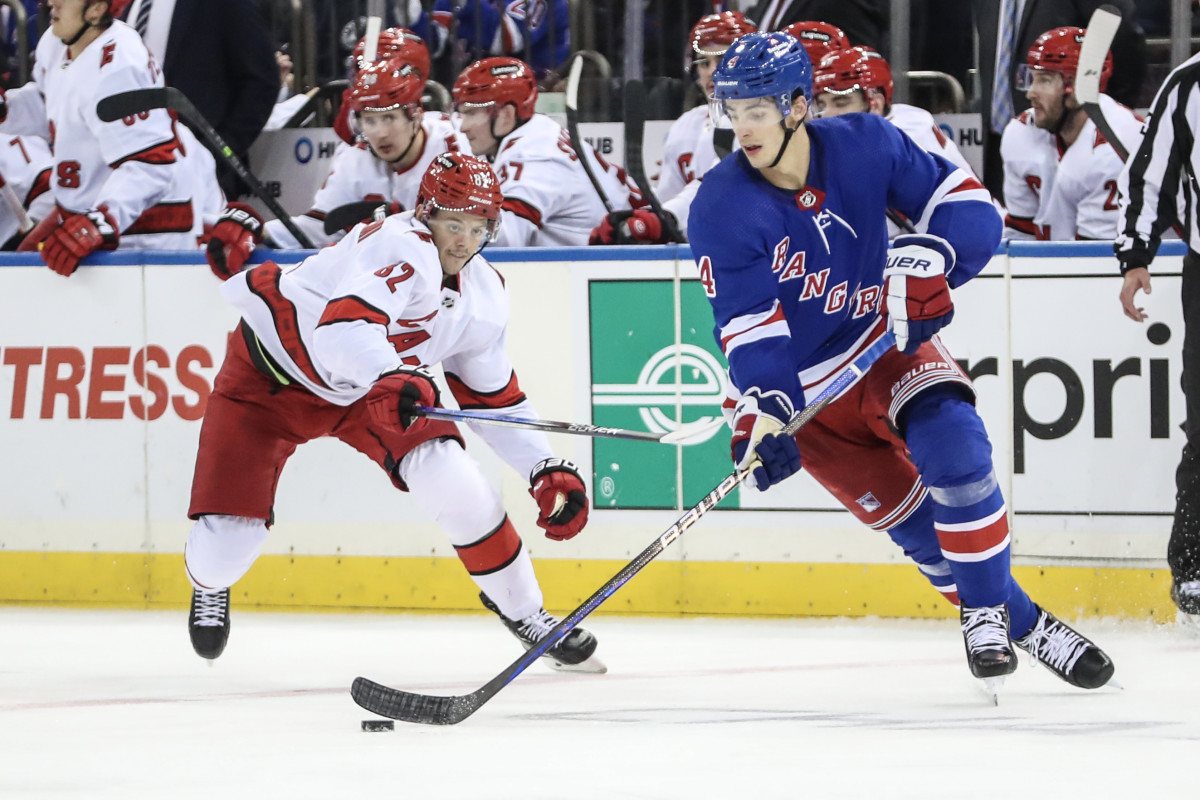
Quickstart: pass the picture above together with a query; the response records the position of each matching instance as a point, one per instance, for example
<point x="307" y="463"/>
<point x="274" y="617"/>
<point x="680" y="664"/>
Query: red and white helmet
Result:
<point x="459" y="182"/>
<point x="116" y="7"/>
<point x="496" y="82"/>
<point x="1058" y="51"/>
<point x="387" y="85"/>
<point x="397" y="44"/>
<point x="856" y="68"/>
<point x="713" y="34"/>
<point x="818" y="38"/>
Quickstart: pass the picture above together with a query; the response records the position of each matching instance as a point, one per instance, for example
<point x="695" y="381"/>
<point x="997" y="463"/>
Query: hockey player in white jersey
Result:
<point x="1060" y="173"/>
<point x="126" y="183"/>
<point x="25" y="167"/>
<point x="338" y="346"/>
<point x="548" y="197"/>
<point x="399" y="141"/>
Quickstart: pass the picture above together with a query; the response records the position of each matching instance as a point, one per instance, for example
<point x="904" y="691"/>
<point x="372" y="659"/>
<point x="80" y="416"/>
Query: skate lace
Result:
<point x="983" y="628"/>
<point x="1055" y="645"/>
<point x="210" y="609"/>
<point x="537" y="625"/>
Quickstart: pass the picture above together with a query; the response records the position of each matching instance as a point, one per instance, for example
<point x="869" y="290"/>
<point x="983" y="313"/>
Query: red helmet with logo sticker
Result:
<point x="459" y="182"/>
<point x="818" y="38"/>
<point x="387" y="85"/>
<point x="713" y="34"/>
<point x="397" y="44"/>
<point x="497" y="81"/>
<point x="844" y="71"/>
<point x="1058" y="51"/>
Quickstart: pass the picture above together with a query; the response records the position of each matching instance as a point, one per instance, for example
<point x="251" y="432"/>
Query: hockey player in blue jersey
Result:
<point x="790" y="237"/>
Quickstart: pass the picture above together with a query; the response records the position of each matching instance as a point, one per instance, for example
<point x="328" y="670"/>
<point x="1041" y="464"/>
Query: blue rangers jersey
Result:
<point x="795" y="278"/>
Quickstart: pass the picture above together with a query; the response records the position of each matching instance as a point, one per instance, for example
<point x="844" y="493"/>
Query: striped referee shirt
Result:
<point x="1158" y="185"/>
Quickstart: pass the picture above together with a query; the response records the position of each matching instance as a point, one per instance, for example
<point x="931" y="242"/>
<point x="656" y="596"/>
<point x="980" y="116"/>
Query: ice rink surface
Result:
<point x="107" y="704"/>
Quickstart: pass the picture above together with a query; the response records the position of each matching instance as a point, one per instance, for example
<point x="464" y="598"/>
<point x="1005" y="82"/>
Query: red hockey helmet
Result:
<point x="844" y="71"/>
<point x="1058" y="51"/>
<point x="116" y="8"/>
<point x="818" y="38"/>
<point x="459" y="182"/>
<point x="497" y="81"/>
<point x="713" y="34"/>
<point x="387" y="85"/>
<point x="397" y="44"/>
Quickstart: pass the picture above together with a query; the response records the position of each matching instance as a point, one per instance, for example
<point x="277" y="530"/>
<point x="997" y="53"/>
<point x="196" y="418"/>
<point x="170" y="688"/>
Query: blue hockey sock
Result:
<point x="918" y="539"/>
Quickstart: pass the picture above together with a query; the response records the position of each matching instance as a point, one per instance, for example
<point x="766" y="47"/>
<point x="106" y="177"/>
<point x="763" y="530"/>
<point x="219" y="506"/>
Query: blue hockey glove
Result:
<point x="757" y="443"/>
<point x="916" y="296"/>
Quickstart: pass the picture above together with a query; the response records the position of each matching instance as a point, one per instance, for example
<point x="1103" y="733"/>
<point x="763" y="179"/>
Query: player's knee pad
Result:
<point x="221" y="548"/>
<point x="451" y="487"/>
<point x="946" y="438"/>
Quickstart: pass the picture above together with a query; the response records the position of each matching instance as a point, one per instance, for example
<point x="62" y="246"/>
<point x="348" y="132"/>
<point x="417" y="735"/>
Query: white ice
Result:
<point x="113" y="704"/>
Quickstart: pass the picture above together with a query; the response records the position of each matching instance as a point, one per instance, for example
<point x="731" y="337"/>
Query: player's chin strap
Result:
<point x="419" y="134"/>
<point x="787" y="137"/>
<point x="83" y="30"/>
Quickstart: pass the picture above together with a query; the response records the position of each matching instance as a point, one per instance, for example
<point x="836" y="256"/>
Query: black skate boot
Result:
<point x="1066" y="652"/>
<point x="989" y="651"/>
<point x="1186" y="596"/>
<point x="208" y="622"/>
<point x="574" y="653"/>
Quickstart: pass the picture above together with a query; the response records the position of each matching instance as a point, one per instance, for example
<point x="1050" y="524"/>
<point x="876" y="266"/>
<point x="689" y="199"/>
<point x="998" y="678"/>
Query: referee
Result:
<point x="1159" y="187"/>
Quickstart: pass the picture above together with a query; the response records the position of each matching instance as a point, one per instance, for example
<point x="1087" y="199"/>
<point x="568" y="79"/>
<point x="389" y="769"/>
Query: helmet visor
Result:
<point x="745" y="113"/>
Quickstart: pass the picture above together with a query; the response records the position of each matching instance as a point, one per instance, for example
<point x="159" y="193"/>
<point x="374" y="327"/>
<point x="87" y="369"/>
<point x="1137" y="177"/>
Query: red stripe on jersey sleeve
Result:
<point x="966" y="186"/>
<point x="468" y="398"/>
<point x="1022" y="224"/>
<point x="41" y="185"/>
<point x="351" y="309"/>
<point x="777" y="316"/>
<point x="523" y="210"/>
<point x="175" y="217"/>
<point x="158" y="154"/>
<point x="493" y="552"/>
<point x="264" y="282"/>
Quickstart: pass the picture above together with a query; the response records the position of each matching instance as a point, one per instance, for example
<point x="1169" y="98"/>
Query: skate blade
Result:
<point x="992" y="686"/>
<point x="1187" y="623"/>
<point x="592" y="666"/>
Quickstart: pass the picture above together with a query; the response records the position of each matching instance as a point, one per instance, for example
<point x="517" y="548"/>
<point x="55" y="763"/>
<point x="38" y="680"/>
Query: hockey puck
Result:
<point x="374" y="725"/>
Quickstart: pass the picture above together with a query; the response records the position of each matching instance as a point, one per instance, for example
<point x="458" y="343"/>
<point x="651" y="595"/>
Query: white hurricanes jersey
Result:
<point x="358" y="174"/>
<point x="1058" y="193"/>
<point x="679" y="151"/>
<point x="25" y="163"/>
<point x="548" y="199"/>
<point x="378" y="299"/>
<point x="136" y="167"/>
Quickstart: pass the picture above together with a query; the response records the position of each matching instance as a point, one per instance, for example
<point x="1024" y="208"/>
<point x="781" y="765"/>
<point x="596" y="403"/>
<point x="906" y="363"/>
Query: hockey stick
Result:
<point x="24" y="223"/>
<point x="126" y="104"/>
<point x="635" y="128"/>
<point x="438" y="710"/>
<point x="1101" y="30"/>
<point x="374" y="23"/>
<point x="687" y="433"/>
<point x="350" y="214"/>
<point x="577" y="144"/>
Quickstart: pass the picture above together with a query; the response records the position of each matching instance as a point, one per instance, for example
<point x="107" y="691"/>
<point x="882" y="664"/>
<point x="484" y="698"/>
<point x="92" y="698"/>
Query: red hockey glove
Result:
<point x="626" y="227"/>
<point x="610" y="230"/>
<point x="916" y="295"/>
<point x="645" y="226"/>
<point x="78" y="236"/>
<point x="238" y="230"/>
<point x="757" y="443"/>
<point x="396" y="394"/>
<point x="33" y="240"/>
<point x="561" y="498"/>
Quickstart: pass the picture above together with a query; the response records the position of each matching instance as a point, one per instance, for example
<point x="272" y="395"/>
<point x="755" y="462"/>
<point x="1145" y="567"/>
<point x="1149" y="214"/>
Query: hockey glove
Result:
<point x="757" y="442"/>
<point x="40" y="232"/>
<point x="624" y="227"/>
<point x="561" y="498"/>
<point x="397" y="393"/>
<point x="78" y="236"/>
<point x="238" y="230"/>
<point x="916" y="296"/>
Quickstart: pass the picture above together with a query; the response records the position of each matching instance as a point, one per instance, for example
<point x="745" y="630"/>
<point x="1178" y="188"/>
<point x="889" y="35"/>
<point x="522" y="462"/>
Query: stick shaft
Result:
<point x="577" y="143"/>
<point x="635" y="130"/>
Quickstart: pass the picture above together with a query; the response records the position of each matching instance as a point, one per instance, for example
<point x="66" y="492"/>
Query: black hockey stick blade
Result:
<point x="635" y="128"/>
<point x="124" y="104"/>
<point x="1101" y="30"/>
<point x="438" y="710"/>
<point x="350" y="214"/>
<point x="577" y="143"/>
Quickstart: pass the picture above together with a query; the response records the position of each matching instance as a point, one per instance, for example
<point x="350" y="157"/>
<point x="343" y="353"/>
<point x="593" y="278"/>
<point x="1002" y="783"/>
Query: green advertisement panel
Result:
<point x="643" y="381"/>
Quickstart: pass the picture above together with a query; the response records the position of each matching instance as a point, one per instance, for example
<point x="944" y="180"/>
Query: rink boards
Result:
<point x="104" y="377"/>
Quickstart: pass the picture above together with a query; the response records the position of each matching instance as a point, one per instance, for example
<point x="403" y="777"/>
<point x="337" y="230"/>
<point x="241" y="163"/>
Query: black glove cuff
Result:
<point x="548" y="465"/>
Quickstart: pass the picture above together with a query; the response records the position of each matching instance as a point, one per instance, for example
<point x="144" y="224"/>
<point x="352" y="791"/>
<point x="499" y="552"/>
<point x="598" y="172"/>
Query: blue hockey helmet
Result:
<point x="765" y="64"/>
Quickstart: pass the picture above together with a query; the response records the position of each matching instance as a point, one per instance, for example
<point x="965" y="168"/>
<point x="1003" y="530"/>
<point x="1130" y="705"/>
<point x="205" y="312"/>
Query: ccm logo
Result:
<point x="105" y="382"/>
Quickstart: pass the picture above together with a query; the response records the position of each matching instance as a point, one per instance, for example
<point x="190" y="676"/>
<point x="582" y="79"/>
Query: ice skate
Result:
<point x="989" y="651"/>
<point x="575" y="653"/>
<point x="1186" y="597"/>
<point x="1065" y="652"/>
<point x="208" y="622"/>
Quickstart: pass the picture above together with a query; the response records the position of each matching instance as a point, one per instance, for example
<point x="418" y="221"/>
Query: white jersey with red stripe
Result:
<point x="136" y="167"/>
<point x="548" y="198"/>
<point x="1057" y="192"/>
<point x="358" y="174"/>
<point x="679" y="150"/>
<point x="923" y="129"/>
<point x="25" y="165"/>
<point x="377" y="299"/>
